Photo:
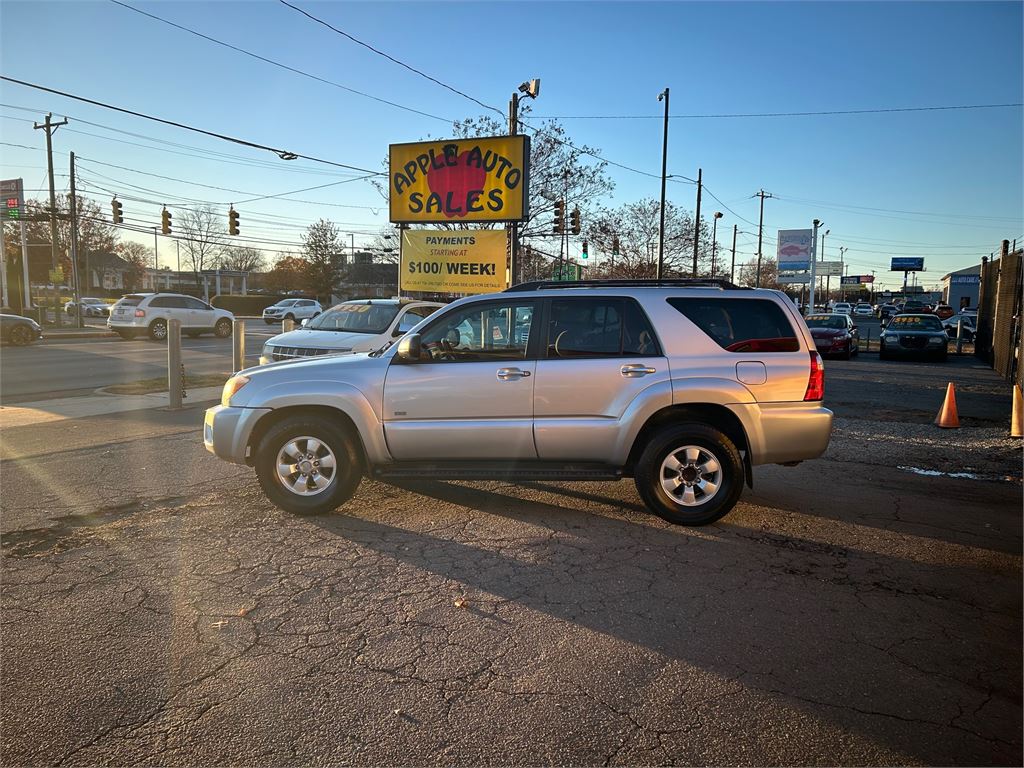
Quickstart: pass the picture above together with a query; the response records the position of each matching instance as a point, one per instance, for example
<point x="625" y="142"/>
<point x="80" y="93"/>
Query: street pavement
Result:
<point x="850" y="610"/>
<point x="68" y="367"/>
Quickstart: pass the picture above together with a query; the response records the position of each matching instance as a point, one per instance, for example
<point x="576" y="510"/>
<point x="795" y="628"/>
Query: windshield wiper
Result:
<point x="382" y="350"/>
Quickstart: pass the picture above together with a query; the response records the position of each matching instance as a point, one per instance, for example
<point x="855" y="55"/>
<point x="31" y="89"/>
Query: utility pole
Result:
<point x="732" y="269"/>
<point x="74" y="245"/>
<point x="156" y="262"/>
<point x="814" y="261"/>
<point x="664" y="164"/>
<point x="696" y="221"/>
<point x="513" y="226"/>
<point x="177" y="247"/>
<point x="760" y="233"/>
<point x="49" y="126"/>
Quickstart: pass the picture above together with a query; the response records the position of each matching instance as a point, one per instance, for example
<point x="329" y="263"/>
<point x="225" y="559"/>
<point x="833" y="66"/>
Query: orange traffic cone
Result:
<point x="1017" y="414"/>
<point x="948" y="417"/>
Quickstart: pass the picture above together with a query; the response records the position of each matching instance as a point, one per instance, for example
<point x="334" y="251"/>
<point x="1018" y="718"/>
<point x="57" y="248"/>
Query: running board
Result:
<point x="498" y="470"/>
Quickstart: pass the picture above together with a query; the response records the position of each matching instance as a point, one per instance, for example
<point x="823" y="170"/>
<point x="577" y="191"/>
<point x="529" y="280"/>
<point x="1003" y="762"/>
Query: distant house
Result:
<point x="960" y="288"/>
<point x="106" y="271"/>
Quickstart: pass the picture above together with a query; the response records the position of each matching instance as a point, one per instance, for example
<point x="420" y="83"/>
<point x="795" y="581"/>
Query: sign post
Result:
<point x="12" y="193"/>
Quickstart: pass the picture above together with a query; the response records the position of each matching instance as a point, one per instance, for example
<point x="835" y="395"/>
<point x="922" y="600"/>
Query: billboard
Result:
<point x="453" y="261"/>
<point x="907" y="264"/>
<point x="794" y="245"/>
<point x="852" y="280"/>
<point x="459" y="180"/>
<point x="793" y="279"/>
<point x="829" y="268"/>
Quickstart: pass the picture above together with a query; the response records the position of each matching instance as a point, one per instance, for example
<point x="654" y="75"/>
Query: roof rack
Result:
<point x="674" y="282"/>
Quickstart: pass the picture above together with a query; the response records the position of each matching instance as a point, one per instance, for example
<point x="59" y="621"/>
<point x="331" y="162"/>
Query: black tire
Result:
<point x="672" y="440"/>
<point x="290" y="316"/>
<point x="222" y="328"/>
<point x="341" y="486"/>
<point x="158" y="330"/>
<point x="848" y="352"/>
<point x="941" y="357"/>
<point x="126" y="335"/>
<point x="20" y="336"/>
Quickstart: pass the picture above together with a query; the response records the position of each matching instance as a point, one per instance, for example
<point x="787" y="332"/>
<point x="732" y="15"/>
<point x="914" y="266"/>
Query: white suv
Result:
<point x="349" y="327"/>
<point x="292" y="309"/>
<point x="149" y="313"/>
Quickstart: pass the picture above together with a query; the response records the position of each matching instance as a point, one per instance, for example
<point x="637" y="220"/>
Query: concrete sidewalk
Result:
<point x="44" y="411"/>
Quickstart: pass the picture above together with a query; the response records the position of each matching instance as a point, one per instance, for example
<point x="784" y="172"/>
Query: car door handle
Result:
<point x="635" y="371"/>
<point x="511" y="374"/>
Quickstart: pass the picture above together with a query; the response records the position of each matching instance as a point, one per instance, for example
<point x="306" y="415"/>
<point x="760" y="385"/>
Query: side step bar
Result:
<point x="485" y="470"/>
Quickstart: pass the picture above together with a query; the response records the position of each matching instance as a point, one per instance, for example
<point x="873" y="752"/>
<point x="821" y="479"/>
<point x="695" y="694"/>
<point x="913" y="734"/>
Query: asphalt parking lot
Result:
<point x="864" y="608"/>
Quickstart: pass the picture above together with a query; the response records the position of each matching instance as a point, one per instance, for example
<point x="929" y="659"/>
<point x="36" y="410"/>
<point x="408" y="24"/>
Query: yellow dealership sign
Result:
<point x="453" y="261"/>
<point x="460" y="180"/>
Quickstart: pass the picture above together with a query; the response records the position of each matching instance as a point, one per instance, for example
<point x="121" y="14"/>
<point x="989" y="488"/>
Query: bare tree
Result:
<point x="746" y="274"/>
<point x="243" y="259"/>
<point x="204" y="238"/>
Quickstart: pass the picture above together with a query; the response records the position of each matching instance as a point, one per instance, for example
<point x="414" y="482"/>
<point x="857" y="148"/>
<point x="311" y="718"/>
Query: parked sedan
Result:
<point x="834" y="334"/>
<point x="19" y="331"/>
<point x="91" y="307"/>
<point x="863" y="310"/>
<point x="885" y="311"/>
<point x="914" y="335"/>
<point x="842" y="308"/>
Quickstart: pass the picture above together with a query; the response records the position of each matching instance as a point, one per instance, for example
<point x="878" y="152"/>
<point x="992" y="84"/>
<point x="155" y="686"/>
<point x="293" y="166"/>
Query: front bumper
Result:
<point x="227" y="429"/>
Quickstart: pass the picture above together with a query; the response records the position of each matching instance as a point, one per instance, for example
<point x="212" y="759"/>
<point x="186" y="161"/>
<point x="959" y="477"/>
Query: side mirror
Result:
<point x="853" y="327"/>
<point x="304" y="321"/>
<point x="409" y="348"/>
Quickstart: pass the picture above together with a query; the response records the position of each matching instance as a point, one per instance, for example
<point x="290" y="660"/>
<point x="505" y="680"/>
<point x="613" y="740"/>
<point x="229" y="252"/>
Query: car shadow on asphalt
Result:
<point x="802" y="620"/>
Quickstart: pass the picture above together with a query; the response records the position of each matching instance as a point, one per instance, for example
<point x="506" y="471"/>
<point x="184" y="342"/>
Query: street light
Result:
<point x="714" y="240"/>
<point x="828" y="278"/>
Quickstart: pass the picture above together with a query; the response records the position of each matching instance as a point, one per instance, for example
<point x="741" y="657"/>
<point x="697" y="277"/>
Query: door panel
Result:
<point x="459" y="410"/>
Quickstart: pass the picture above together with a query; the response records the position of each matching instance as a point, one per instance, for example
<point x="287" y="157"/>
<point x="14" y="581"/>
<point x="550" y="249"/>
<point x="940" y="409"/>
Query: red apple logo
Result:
<point x="458" y="186"/>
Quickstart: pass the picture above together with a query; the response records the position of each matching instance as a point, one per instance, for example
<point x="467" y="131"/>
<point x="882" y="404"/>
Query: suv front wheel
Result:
<point x="690" y="474"/>
<point x="307" y="466"/>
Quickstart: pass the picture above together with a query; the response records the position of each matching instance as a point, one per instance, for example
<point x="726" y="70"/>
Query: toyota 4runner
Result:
<point x="683" y="385"/>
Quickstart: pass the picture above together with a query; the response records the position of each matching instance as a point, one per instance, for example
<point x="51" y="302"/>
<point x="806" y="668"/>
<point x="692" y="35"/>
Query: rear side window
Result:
<point x="599" y="327"/>
<point x="168" y="302"/>
<point x="741" y="325"/>
<point x="130" y="301"/>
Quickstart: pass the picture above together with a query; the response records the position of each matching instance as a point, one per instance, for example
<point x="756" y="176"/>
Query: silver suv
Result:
<point x="682" y="385"/>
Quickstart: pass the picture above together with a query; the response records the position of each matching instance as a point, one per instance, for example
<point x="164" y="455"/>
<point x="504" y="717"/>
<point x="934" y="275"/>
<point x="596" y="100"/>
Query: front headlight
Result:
<point x="268" y="351"/>
<point x="231" y="386"/>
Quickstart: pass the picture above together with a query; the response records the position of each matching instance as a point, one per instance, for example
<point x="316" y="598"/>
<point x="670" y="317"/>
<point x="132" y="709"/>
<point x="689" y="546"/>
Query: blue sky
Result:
<point x="962" y="168"/>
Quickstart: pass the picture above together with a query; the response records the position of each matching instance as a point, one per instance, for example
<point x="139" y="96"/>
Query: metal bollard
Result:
<point x="287" y="325"/>
<point x="238" y="346"/>
<point x="174" y="366"/>
<point x="960" y="335"/>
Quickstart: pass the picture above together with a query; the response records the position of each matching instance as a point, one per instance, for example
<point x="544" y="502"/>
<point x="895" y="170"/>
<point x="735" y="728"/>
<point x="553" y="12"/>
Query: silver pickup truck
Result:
<point x="682" y="385"/>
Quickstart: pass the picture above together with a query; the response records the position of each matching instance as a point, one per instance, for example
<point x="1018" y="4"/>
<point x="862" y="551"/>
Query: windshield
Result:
<point x="826" y="321"/>
<point x="915" y="323"/>
<point x="356" y="318"/>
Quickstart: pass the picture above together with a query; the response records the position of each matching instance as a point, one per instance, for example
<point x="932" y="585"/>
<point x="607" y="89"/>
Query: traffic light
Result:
<point x="585" y="254"/>
<point x="575" y="221"/>
<point x="165" y="221"/>
<point x="116" y="215"/>
<point x="559" y="217"/>
<point x="615" y="246"/>
<point x="232" y="221"/>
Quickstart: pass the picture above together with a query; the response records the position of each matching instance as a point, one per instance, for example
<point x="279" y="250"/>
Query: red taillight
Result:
<point x="140" y="313"/>
<point x="816" y="381"/>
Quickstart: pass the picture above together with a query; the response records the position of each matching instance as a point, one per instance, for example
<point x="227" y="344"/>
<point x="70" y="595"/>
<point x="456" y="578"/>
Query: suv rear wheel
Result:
<point x="307" y="466"/>
<point x="222" y="329"/>
<point x="690" y="474"/>
<point x="158" y="330"/>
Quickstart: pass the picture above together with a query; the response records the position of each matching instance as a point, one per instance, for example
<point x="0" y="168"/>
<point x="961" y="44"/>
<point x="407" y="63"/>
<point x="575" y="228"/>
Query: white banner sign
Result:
<point x="828" y="268"/>
<point x="794" y="245"/>
<point x="794" y="279"/>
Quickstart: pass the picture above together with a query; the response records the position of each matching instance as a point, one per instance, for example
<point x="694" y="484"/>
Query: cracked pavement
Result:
<point x="846" y="612"/>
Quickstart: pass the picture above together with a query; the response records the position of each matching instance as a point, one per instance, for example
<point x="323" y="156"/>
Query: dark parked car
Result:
<point x="885" y="311"/>
<point x="914" y="335"/>
<point x="19" y="330"/>
<point x="943" y="311"/>
<point x="911" y="306"/>
<point x="834" y="334"/>
<point x="950" y="325"/>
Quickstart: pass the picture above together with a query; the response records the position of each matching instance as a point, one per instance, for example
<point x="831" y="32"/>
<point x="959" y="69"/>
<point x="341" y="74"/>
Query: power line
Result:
<point x="282" y="153"/>
<point x="279" y="64"/>
<point x="391" y="58"/>
<point x="896" y="210"/>
<point x="783" y="114"/>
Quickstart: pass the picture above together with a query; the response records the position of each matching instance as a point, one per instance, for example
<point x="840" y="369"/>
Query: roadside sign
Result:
<point x="829" y="268"/>
<point x="907" y="264"/>
<point x="965" y="280"/>
<point x="794" y="245"/>
<point x="453" y="261"/>
<point x="794" y="266"/>
<point x="566" y="271"/>
<point x="793" y="279"/>
<point x="13" y="195"/>
<point x="856" y="279"/>
<point x="459" y="180"/>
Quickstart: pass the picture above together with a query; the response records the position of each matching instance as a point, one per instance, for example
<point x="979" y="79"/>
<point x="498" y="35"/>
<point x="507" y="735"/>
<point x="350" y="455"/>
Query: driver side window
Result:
<point x="479" y="333"/>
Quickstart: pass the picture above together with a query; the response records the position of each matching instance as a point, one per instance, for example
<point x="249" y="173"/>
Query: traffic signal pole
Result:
<point x="513" y="226"/>
<point x="74" y="246"/>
